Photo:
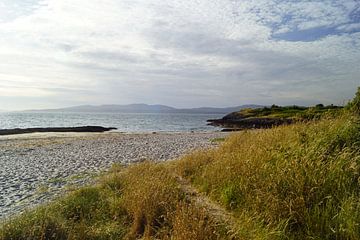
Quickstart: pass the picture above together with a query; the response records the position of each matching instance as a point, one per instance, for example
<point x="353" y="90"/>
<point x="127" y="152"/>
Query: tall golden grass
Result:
<point x="302" y="180"/>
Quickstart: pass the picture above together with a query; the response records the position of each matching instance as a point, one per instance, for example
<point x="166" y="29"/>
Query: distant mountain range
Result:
<point x="145" y="108"/>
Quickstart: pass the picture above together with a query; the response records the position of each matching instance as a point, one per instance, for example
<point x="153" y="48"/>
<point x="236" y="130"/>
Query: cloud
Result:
<point x="350" y="27"/>
<point x="182" y="53"/>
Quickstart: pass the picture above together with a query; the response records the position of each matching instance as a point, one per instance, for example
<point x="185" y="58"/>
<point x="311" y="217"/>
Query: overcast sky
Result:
<point x="183" y="53"/>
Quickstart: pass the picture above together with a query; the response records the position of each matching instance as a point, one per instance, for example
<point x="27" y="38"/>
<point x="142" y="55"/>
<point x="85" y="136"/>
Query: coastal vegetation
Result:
<point x="298" y="181"/>
<point x="267" y="117"/>
<point x="293" y="112"/>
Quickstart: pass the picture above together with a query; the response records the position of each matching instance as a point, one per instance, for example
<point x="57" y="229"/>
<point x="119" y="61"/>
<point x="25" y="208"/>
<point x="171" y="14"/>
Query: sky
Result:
<point x="188" y="53"/>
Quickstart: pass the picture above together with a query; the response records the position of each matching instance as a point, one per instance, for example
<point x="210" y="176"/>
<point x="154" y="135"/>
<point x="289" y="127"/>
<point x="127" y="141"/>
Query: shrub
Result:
<point x="354" y="105"/>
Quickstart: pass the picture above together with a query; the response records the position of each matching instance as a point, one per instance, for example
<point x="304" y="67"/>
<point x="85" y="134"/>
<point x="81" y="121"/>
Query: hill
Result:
<point x="145" y="108"/>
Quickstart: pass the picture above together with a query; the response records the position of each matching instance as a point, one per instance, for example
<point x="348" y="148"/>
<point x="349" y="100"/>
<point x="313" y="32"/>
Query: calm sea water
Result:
<point x="125" y="122"/>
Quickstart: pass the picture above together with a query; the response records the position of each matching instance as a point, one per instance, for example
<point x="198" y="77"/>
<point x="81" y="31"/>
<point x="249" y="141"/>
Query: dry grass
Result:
<point x="303" y="179"/>
<point x="292" y="182"/>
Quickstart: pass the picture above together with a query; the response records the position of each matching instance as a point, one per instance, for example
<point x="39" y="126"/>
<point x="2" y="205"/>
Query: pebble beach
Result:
<point x="36" y="168"/>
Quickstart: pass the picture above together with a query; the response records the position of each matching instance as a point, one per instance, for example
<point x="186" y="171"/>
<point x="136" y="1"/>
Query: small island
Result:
<point x="267" y="117"/>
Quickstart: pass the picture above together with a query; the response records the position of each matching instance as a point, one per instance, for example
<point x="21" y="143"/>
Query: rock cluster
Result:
<point x="248" y="123"/>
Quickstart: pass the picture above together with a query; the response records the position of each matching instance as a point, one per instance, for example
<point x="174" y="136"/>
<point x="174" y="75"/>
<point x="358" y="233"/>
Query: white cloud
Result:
<point x="211" y="52"/>
<point x="350" y="27"/>
<point x="6" y="91"/>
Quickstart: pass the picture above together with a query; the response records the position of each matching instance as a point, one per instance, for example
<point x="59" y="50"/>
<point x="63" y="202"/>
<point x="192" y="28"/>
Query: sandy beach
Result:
<point x="35" y="168"/>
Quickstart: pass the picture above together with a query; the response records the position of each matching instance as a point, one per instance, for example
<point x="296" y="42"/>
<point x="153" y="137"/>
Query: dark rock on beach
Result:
<point x="237" y="124"/>
<point x="91" y="129"/>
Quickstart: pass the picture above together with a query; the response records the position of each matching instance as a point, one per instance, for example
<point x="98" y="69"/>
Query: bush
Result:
<point x="354" y="105"/>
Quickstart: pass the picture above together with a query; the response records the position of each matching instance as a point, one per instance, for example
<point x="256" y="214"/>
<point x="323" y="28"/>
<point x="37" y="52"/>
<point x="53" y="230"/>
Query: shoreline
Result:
<point x="46" y="135"/>
<point x="38" y="167"/>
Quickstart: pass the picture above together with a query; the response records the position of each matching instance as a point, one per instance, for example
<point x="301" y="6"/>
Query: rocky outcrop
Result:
<point x="58" y="129"/>
<point x="236" y="124"/>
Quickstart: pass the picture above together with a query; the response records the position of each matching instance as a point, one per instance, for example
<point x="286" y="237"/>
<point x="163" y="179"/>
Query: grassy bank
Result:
<point x="269" y="117"/>
<point x="297" y="113"/>
<point x="300" y="181"/>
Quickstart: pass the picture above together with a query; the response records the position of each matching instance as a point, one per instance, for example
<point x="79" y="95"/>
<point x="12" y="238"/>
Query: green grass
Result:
<point x="288" y="112"/>
<point x="303" y="179"/>
<point x="300" y="181"/>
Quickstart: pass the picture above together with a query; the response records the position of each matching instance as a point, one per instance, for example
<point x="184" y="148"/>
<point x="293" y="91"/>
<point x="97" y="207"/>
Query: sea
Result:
<point x="124" y="122"/>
